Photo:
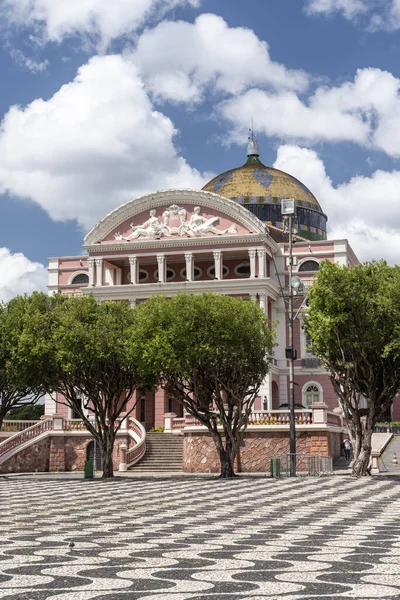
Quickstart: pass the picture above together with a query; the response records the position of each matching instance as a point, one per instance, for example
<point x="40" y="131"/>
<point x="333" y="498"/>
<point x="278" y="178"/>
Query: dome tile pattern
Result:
<point x="260" y="189"/>
<point x="255" y="179"/>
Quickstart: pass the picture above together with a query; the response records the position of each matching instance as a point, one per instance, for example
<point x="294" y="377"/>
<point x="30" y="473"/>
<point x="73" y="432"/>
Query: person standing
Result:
<point x="347" y="449"/>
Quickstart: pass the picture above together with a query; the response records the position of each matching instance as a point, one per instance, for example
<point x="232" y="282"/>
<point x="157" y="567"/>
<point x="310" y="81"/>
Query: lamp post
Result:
<point x="288" y="211"/>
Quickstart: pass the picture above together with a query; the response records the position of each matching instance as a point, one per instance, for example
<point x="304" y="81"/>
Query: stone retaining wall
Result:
<point x="257" y="449"/>
<point x="55" y="454"/>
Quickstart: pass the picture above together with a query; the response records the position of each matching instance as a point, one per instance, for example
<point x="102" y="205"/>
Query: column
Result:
<point x="122" y="457"/>
<point x="252" y="255"/>
<point x="99" y="272"/>
<point x="262" y="263"/>
<point x="161" y="268"/>
<point x="264" y="303"/>
<point x="218" y="264"/>
<point x="189" y="266"/>
<point x="253" y="296"/>
<point x="91" y="263"/>
<point x="133" y="265"/>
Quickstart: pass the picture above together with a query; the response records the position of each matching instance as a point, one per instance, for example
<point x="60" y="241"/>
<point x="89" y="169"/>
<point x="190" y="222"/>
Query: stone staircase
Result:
<point x="386" y="461"/>
<point x="163" y="454"/>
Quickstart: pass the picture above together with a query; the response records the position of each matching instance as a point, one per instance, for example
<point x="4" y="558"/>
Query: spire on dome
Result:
<point x="253" y="150"/>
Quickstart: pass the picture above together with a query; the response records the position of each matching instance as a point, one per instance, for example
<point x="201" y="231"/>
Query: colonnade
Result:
<point x="257" y="259"/>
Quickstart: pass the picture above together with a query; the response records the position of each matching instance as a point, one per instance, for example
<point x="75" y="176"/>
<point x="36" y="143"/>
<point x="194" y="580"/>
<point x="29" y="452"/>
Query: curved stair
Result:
<point x="23" y="439"/>
<point x="163" y="454"/>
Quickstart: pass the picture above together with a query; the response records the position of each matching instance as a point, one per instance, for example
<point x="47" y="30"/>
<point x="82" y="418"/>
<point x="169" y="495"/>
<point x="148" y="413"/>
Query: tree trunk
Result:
<point x="227" y="465"/>
<point x="227" y="458"/>
<point x="107" y="449"/>
<point x="361" y="463"/>
<point x="357" y="434"/>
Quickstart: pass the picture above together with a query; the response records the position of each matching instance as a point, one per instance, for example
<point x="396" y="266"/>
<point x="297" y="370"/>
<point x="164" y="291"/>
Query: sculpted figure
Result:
<point x="151" y="228"/>
<point x="199" y="225"/>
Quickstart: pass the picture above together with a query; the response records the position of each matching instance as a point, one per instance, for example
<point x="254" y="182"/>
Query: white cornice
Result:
<point x="184" y="243"/>
<point x="162" y="198"/>
<point x="145" y="290"/>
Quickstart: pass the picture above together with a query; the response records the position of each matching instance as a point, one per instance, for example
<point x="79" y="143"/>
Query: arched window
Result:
<point x="309" y="265"/>
<point x="80" y="279"/>
<point x="311" y="393"/>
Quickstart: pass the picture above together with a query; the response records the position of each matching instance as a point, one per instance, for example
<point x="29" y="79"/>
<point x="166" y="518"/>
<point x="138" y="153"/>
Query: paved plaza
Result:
<point x="199" y="539"/>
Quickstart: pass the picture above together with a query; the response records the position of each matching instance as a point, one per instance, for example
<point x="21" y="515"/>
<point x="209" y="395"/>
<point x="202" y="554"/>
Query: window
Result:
<point x="80" y="279"/>
<point x="309" y="265"/>
<point x="311" y="394"/>
<point x="143" y="276"/>
<point x="197" y="273"/>
<point x="170" y="274"/>
<point x="243" y="269"/>
<point x="211" y="272"/>
<point x="143" y="410"/>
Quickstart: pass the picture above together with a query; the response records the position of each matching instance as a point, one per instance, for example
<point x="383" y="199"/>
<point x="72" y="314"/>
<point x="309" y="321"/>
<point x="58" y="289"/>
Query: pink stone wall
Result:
<point x="76" y="452"/>
<point x="34" y="459"/>
<point x="56" y="453"/>
<point x="200" y="455"/>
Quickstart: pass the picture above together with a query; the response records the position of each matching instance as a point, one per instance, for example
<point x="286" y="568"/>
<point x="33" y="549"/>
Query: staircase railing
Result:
<point x="9" y="425"/>
<point x="137" y="433"/>
<point x="20" y="438"/>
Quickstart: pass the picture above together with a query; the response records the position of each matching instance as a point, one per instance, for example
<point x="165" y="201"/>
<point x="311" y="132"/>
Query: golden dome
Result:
<point x="255" y="181"/>
<point x="260" y="189"/>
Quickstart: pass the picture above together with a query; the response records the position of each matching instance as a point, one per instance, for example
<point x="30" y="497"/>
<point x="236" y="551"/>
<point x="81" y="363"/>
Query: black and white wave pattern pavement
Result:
<point x="199" y="539"/>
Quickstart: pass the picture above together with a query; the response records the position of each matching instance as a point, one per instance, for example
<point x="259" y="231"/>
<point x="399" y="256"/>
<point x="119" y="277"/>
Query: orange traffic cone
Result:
<point x="394" y="461"/>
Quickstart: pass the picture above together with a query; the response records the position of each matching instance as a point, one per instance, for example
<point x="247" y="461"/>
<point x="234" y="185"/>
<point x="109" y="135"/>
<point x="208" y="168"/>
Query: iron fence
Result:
<point x="307" y="465"/>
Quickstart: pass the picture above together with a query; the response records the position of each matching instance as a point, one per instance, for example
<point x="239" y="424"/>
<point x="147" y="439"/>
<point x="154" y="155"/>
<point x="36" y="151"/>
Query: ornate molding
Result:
<point x="193" y="197"/>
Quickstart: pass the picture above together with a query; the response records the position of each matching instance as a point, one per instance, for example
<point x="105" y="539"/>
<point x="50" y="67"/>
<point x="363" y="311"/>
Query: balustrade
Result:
<point x="16" y="426"/>
<point x="134" y="454"/>
<point x="24" y="436"/>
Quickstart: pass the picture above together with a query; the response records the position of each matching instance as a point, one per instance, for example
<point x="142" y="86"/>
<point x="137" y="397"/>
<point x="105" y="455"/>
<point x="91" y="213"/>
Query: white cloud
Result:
<point x="99" y="20"/>
<point x="95" y="144"/>
<point x="179" y="60"/>
<point x="378" y="15"/>
<point x="349" y="8"/>
<point x="18" y="275"/>
<point x="365" y="111"/>
<point x="364" y="209"/>
<point x="28" y="63"/>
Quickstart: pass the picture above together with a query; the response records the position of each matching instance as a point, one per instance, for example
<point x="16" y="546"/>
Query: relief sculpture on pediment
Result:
<point x="174" y="223"/>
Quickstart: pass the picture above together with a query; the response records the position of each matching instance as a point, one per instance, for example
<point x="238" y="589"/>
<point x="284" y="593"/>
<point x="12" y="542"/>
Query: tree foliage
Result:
<point x="81" y="346"/>
<point x="28" y="412"/>
<point x="20" y="384"/>
<point x="354" y="324"/>
<point x="211" y="353"/>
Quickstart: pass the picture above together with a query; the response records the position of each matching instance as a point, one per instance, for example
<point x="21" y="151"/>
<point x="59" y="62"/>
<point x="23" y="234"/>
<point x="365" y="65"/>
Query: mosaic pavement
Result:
<point x="199" y="539"/>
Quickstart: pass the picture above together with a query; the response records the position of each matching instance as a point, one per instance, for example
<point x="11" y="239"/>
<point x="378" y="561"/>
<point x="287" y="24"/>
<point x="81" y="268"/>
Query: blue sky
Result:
<point x="101" y="102"/>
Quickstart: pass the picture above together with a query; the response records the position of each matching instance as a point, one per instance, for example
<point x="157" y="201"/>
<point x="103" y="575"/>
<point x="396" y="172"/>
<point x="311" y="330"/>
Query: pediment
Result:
<point x="175" y="214"/>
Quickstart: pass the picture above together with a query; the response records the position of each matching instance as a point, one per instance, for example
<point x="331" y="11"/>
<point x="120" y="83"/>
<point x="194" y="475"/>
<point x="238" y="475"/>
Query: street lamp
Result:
<point x="295" y="283"/>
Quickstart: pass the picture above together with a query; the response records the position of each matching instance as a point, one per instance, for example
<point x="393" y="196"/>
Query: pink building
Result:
<point x="227" y="238"/>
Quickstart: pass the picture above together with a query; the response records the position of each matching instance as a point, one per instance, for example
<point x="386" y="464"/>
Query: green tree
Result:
<point x="211" y="353"/>
<point x="81" y="347"/>
<point x="26" y="413"/>
<point x="354" y="323"/>
<point x="20" y="385"/>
